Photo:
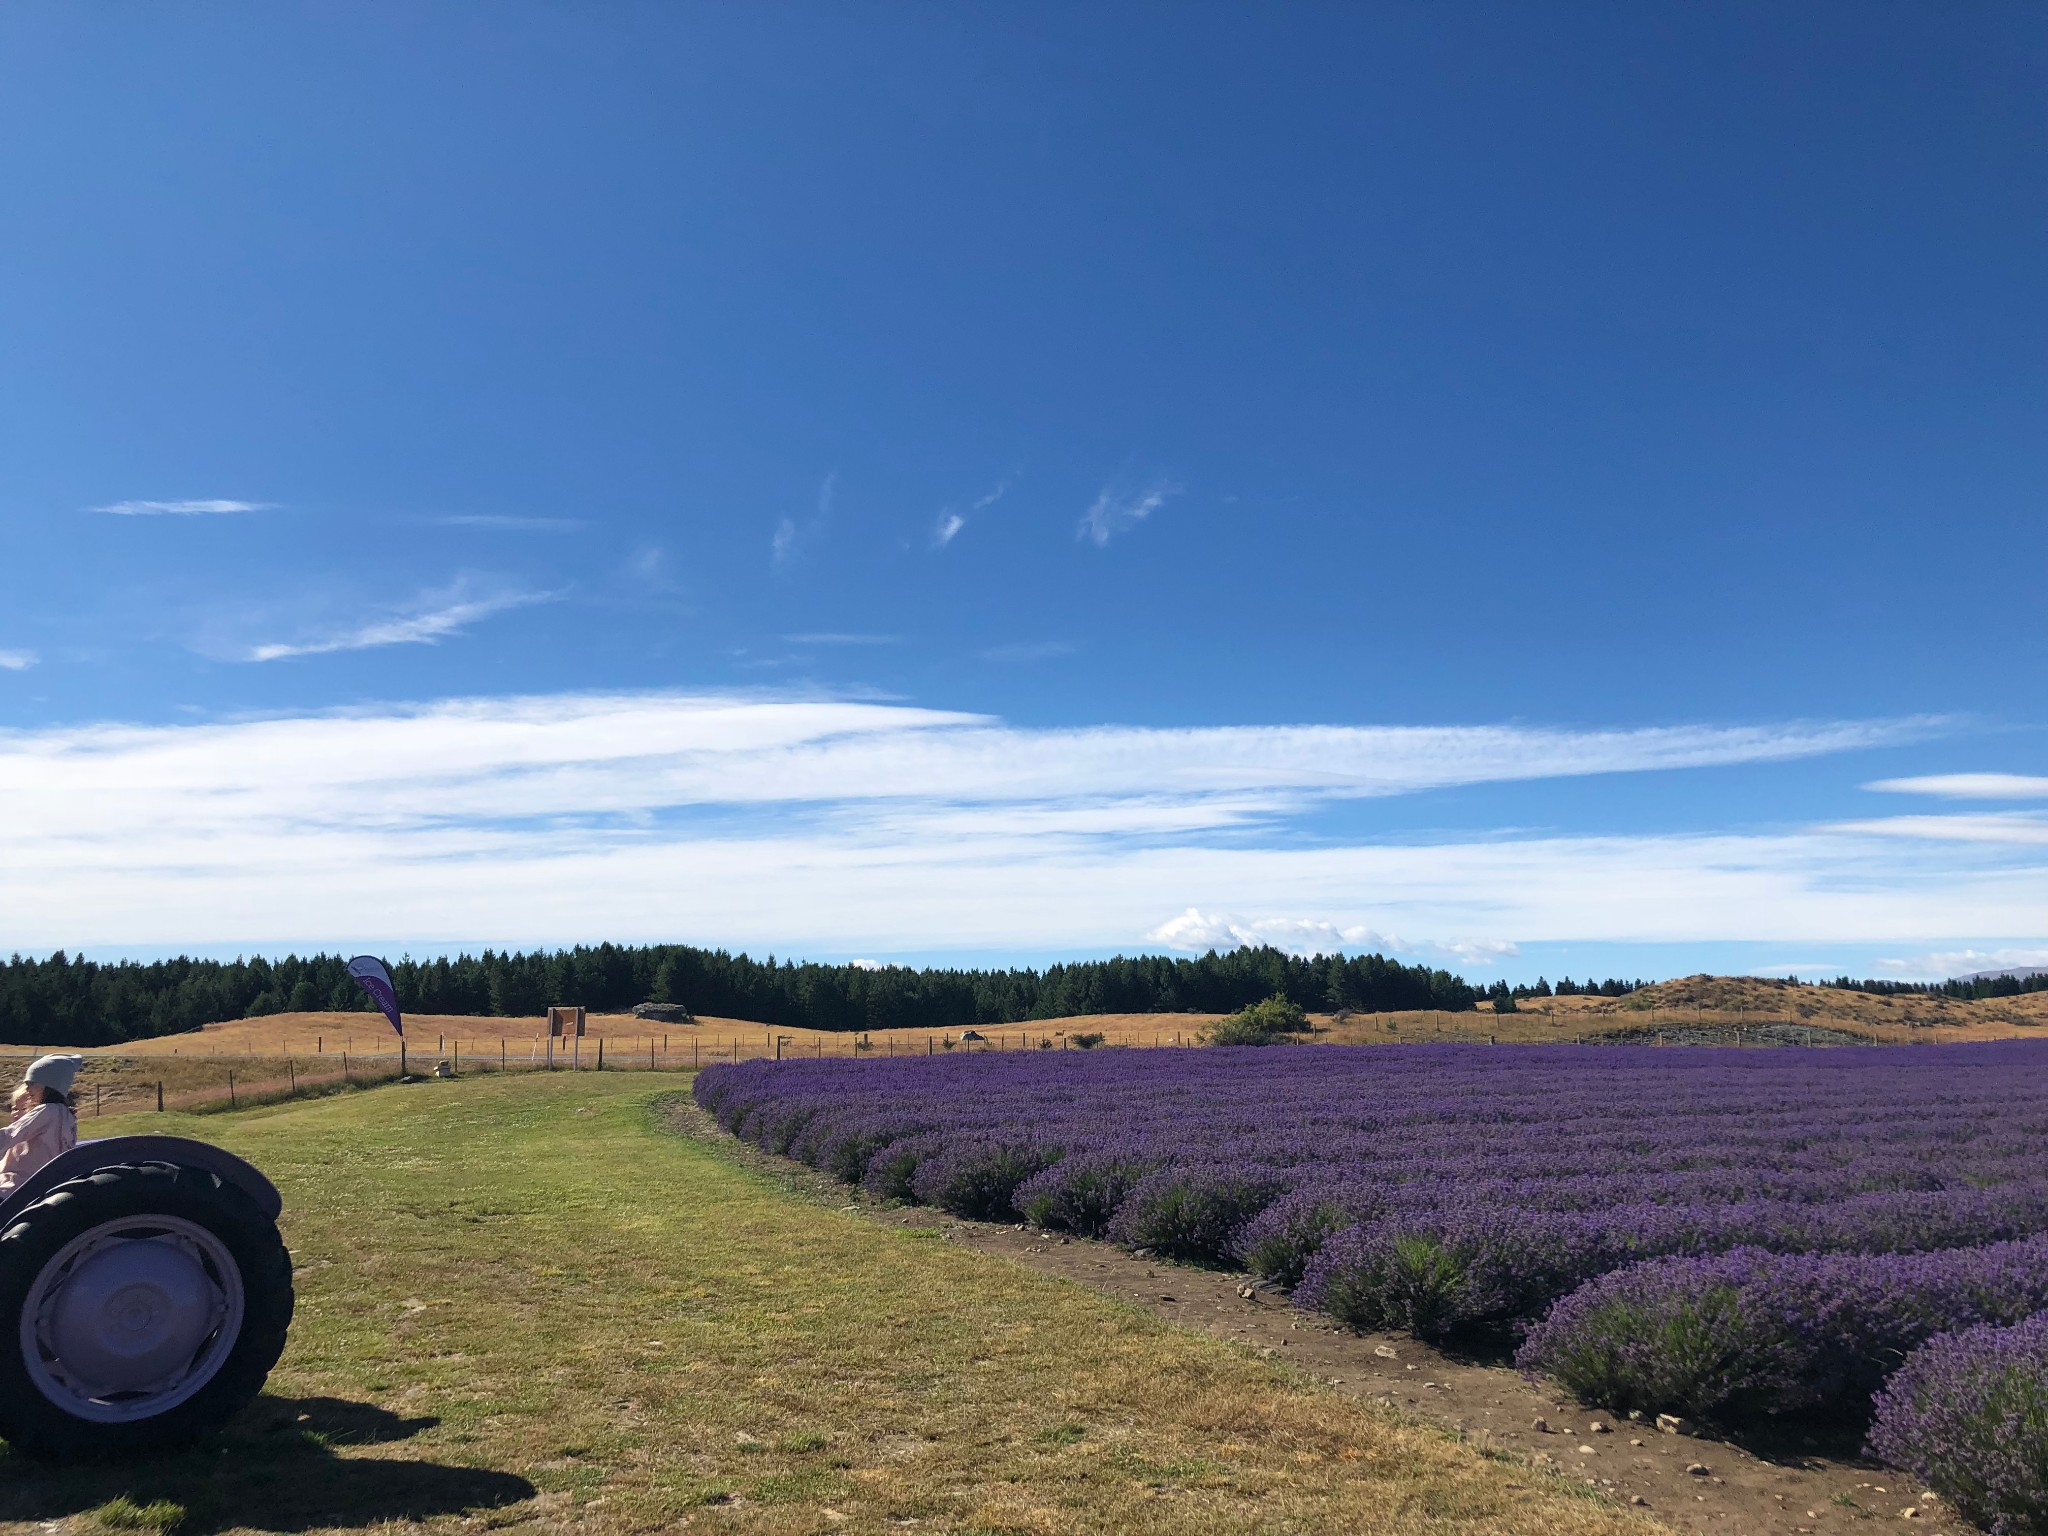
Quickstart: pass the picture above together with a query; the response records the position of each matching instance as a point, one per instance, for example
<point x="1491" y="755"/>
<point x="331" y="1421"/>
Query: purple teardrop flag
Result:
<point x="370" y="975"/>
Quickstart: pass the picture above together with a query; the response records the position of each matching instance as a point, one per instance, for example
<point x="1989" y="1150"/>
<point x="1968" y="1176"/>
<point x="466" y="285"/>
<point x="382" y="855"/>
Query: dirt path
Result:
<point x="1693" y="1484"/>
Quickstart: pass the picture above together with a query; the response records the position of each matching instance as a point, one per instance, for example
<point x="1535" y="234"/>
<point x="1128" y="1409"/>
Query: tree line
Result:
<point x="67" y="1000"/>
<point x="1975" y="989"/>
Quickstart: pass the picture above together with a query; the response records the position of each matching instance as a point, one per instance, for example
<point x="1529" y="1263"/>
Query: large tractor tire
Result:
<point x="140" y="1306"/>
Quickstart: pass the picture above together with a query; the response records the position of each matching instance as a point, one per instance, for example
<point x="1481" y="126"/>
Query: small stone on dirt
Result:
<point x="1385" y="1352"/>
<point x="1672" y="1424"/>
<point x="1540" y="1425"/>
<point x="1698" y="1468"/>
<point x="1597" y="1428"/>
<point x="1639" y="1501"/>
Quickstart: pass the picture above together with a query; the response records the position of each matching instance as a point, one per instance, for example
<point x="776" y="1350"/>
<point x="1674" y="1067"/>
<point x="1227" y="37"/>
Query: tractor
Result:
<point x="144" y="1296"/>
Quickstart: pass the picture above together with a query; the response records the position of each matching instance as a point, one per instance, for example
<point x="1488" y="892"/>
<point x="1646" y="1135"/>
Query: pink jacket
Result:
<point x="34" y="1139"/>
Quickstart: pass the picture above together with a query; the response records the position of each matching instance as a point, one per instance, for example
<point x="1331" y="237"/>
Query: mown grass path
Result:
<point x="522" y="1304"/>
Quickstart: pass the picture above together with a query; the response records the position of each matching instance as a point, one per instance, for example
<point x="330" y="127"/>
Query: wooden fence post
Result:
<point x="231" y="1092"/>
<point x="159" y="1095"/>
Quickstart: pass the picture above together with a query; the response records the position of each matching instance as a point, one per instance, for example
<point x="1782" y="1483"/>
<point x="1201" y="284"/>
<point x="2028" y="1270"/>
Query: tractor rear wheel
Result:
<point x="140" y="1306"/>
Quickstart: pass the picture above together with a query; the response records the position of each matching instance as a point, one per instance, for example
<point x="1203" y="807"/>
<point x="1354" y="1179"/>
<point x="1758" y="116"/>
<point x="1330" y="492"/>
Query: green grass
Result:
<point x="523" y="1304"/>
<point x="124" y="1514"/>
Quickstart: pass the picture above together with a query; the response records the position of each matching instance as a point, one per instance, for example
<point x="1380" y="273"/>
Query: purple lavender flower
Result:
<point x="1440" y="1187"/>
<point x="1967" y="1414"/>
<point x="1748" y="1333"/>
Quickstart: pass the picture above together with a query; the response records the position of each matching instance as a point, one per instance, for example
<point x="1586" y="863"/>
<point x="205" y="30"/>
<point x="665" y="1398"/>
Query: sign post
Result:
<point x="571" y="1022"/>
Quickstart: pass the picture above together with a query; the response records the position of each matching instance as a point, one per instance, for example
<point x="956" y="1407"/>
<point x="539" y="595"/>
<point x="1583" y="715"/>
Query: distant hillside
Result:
<point x="1762" y="997"/>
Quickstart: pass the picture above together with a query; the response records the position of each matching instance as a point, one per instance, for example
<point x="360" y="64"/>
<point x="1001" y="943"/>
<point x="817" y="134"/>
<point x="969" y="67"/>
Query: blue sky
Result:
<point x="1491" y="482"/>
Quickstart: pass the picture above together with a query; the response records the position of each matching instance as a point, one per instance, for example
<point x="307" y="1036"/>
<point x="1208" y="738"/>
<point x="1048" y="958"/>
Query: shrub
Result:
<point x="1278" y="1243"/>
<point x="1433" y="1273"/>
<point x="1749" y="1333"/>
<point x="1261" y="1024"/>
<point x="1192" y="1213"/>
<point x="1087" y="1040"/>
<point x="1967" y="1414"/>
<point x="1081" y="1193"/>
<point x="977" y="1179"/>
<point x="845" y="1154"/>
<point x="1694" y="1350"/>
<point x="890" y="1171"/>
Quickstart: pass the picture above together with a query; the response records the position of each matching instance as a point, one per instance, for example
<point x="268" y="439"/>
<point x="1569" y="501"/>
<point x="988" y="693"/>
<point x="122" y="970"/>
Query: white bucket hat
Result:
<point x="55" y="1072"/>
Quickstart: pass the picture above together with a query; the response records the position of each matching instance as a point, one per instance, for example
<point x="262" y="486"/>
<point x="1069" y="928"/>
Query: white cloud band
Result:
<point x="862" y="827"/>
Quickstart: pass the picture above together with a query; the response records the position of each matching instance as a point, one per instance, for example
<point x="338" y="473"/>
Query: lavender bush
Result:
<point x="1080" y="1193"/>
<point x="1748" y="1333"/>
<point x="1967" y="1414"/>
<point x="1679" y="1213"/>
<point x="1190" y="1212"/>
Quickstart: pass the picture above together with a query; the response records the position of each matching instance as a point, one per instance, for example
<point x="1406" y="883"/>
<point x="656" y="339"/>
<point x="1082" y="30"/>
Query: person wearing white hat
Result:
<point x="44" y="1124"/>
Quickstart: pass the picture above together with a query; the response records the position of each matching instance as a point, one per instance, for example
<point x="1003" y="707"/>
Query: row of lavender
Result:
<point x="1710" y="1232"/>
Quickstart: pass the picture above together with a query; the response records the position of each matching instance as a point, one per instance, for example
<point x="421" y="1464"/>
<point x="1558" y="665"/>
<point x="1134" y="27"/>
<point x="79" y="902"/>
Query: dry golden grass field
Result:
<point x="270" y="1056"/>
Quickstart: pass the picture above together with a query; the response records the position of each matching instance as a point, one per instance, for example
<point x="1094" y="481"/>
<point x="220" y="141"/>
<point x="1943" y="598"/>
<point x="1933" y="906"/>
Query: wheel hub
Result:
<point x="132" y="1318"/>
<point x="131" y="1314"/>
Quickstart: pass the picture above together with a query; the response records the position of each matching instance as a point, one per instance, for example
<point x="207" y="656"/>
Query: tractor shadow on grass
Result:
<point x="276" y="1468"/>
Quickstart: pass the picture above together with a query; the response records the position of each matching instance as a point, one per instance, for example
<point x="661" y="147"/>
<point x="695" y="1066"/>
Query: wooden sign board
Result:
<point x="565" y="1021"/>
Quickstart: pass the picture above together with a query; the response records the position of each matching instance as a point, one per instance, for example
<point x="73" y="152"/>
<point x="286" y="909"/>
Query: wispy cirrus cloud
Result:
<point x="433" y="617"/>
<point x="17" y="661"/>
<point x="1968" y="786"/>
<point x="1982" y="827"/>
<point x="874" y="828"/>
<point x="206" y="508"/>
<point x="841" y="637"/>
<point x="1118" y="508"/>
<point x="792" y="538"/>
<point x="955" y="518"/>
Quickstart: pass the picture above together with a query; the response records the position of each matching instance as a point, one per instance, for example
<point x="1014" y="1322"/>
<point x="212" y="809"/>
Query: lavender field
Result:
<point x="1725" y="1234"/>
